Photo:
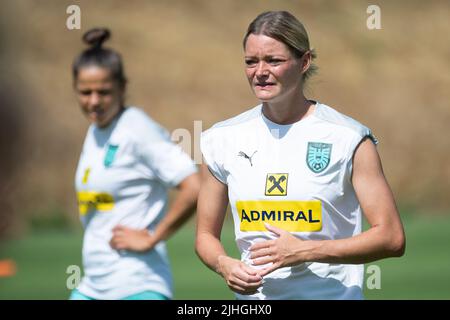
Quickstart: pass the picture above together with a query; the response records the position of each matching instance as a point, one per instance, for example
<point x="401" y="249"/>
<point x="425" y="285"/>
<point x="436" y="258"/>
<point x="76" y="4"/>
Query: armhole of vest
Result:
<point x="214" y="175"/>
<point x="363" y="138"/>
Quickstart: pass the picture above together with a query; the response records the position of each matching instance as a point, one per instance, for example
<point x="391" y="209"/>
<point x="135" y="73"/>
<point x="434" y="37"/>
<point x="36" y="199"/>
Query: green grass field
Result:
<point x="43" y="257"/>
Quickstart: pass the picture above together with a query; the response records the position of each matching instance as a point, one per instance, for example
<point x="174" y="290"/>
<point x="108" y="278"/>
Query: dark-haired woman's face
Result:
<point x="272" y="70"/>
<point x="99" y="96"/>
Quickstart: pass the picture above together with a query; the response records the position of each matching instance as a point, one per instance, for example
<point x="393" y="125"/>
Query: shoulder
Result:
<point x="236" y="122"/>
<point x="140" y="125"/>
<point x="139" y="119"/>
<point x="337" y="119"/>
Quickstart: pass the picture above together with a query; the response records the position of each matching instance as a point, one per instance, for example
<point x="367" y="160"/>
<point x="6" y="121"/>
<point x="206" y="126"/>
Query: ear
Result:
<point x="306" y="61"/>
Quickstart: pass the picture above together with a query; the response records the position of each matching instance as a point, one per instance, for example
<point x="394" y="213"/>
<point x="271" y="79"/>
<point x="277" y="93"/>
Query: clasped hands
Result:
<point x="284" y="251"/>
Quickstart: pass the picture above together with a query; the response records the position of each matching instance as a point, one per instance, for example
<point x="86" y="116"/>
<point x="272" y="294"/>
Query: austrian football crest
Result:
<point x="318" y="156"/>
<point x="110" y="155"/>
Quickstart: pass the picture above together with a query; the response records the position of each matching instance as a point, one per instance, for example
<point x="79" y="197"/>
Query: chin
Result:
<point x="97" y="122"/>
<point x="265" y="96"/>
<point x="101" y="124"/>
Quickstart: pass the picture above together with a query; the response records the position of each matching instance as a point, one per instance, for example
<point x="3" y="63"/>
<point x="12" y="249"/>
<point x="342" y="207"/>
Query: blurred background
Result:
<point x="184" y="62"/>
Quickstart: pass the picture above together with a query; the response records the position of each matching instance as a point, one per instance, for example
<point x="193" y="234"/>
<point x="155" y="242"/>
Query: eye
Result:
<point x="275" y="62"/>
<point x="250" y="62"/>
<point x="104" y="92"/>
<point x="85" y="92"/>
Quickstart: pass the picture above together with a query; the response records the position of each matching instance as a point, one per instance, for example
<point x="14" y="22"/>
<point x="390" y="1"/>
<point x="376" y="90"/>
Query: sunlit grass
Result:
<point x="42" y="260"/>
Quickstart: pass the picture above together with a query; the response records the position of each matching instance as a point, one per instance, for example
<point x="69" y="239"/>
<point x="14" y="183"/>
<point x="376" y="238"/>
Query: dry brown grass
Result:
<point x="184" y="62"/>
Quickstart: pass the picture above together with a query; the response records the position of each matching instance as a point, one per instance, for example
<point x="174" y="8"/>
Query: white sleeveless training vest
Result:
<point x="296" y="177"/>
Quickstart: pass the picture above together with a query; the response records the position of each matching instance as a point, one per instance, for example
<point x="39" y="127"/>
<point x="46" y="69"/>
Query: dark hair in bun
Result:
<point x="95" y="37"/>
<point x="96" y="55"/>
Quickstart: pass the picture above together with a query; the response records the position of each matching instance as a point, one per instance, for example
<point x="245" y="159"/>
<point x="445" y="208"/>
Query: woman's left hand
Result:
<point x="138" y="240"/>
<point x="284" y="251"/>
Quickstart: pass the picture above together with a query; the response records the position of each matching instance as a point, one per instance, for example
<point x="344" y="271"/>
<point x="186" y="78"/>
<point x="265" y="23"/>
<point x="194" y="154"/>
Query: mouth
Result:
<point x="264" y="85"/>
<point x="96" y="114"/>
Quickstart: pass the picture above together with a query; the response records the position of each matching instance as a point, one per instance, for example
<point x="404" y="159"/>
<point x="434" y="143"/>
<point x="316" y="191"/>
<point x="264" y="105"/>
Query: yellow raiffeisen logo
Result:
<point x="88" y="200"/>
<point x="276" y="184"/>
<point x="292" y="216"/>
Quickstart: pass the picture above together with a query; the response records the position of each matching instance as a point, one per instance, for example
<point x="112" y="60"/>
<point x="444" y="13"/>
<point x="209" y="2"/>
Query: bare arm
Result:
<point x="385" y="238"/>
<point x="211" y="210"/>
<point x="180" y="211"/>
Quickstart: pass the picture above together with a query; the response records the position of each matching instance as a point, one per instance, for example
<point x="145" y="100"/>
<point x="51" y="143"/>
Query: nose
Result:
<point x="94" y="99"/>
<point x="261" y="69"/>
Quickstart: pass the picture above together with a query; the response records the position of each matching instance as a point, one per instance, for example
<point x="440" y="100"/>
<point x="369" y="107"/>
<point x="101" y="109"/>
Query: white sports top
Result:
<point x="296" y="177"/>
<point x="123" y="176"/>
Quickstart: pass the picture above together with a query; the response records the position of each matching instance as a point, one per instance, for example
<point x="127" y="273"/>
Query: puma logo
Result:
<point x="243" y="154"/>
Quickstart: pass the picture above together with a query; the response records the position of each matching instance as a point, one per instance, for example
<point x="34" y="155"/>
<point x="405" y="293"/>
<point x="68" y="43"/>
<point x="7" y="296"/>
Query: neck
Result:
<point x="288" y="111"/>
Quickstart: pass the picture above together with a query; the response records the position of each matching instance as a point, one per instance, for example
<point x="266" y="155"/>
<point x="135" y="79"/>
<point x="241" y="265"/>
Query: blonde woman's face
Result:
<point x="99" y="96"/>
<point x="272" y="70"/>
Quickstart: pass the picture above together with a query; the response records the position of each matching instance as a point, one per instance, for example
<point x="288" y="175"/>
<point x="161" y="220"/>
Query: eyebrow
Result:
<point x="268" y="56"/>
<point x="94" y="90"/>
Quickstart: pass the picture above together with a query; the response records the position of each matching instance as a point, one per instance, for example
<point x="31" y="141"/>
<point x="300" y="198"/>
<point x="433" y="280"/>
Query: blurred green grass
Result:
<point x="43" y="257"/>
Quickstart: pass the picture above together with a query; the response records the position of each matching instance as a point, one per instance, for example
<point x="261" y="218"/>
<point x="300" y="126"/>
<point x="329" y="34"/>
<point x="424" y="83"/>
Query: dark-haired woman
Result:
<point x="126" y="167"/>
<point x="298" y="175"/>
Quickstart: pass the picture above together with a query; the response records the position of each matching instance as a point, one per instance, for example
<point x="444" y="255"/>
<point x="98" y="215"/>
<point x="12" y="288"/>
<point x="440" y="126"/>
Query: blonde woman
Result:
<point x="298" y="175"/>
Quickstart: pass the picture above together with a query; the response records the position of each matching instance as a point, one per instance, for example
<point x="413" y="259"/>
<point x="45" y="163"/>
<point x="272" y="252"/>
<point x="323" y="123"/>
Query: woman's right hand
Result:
<point x="239" y="277"/>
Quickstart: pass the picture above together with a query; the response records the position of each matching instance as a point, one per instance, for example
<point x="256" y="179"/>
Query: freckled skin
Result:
<point x="271" y="69"/>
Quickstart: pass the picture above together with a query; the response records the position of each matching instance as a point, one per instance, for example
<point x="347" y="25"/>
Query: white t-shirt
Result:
<point x="296" y="177"/>
<point x="123" y="176"/>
